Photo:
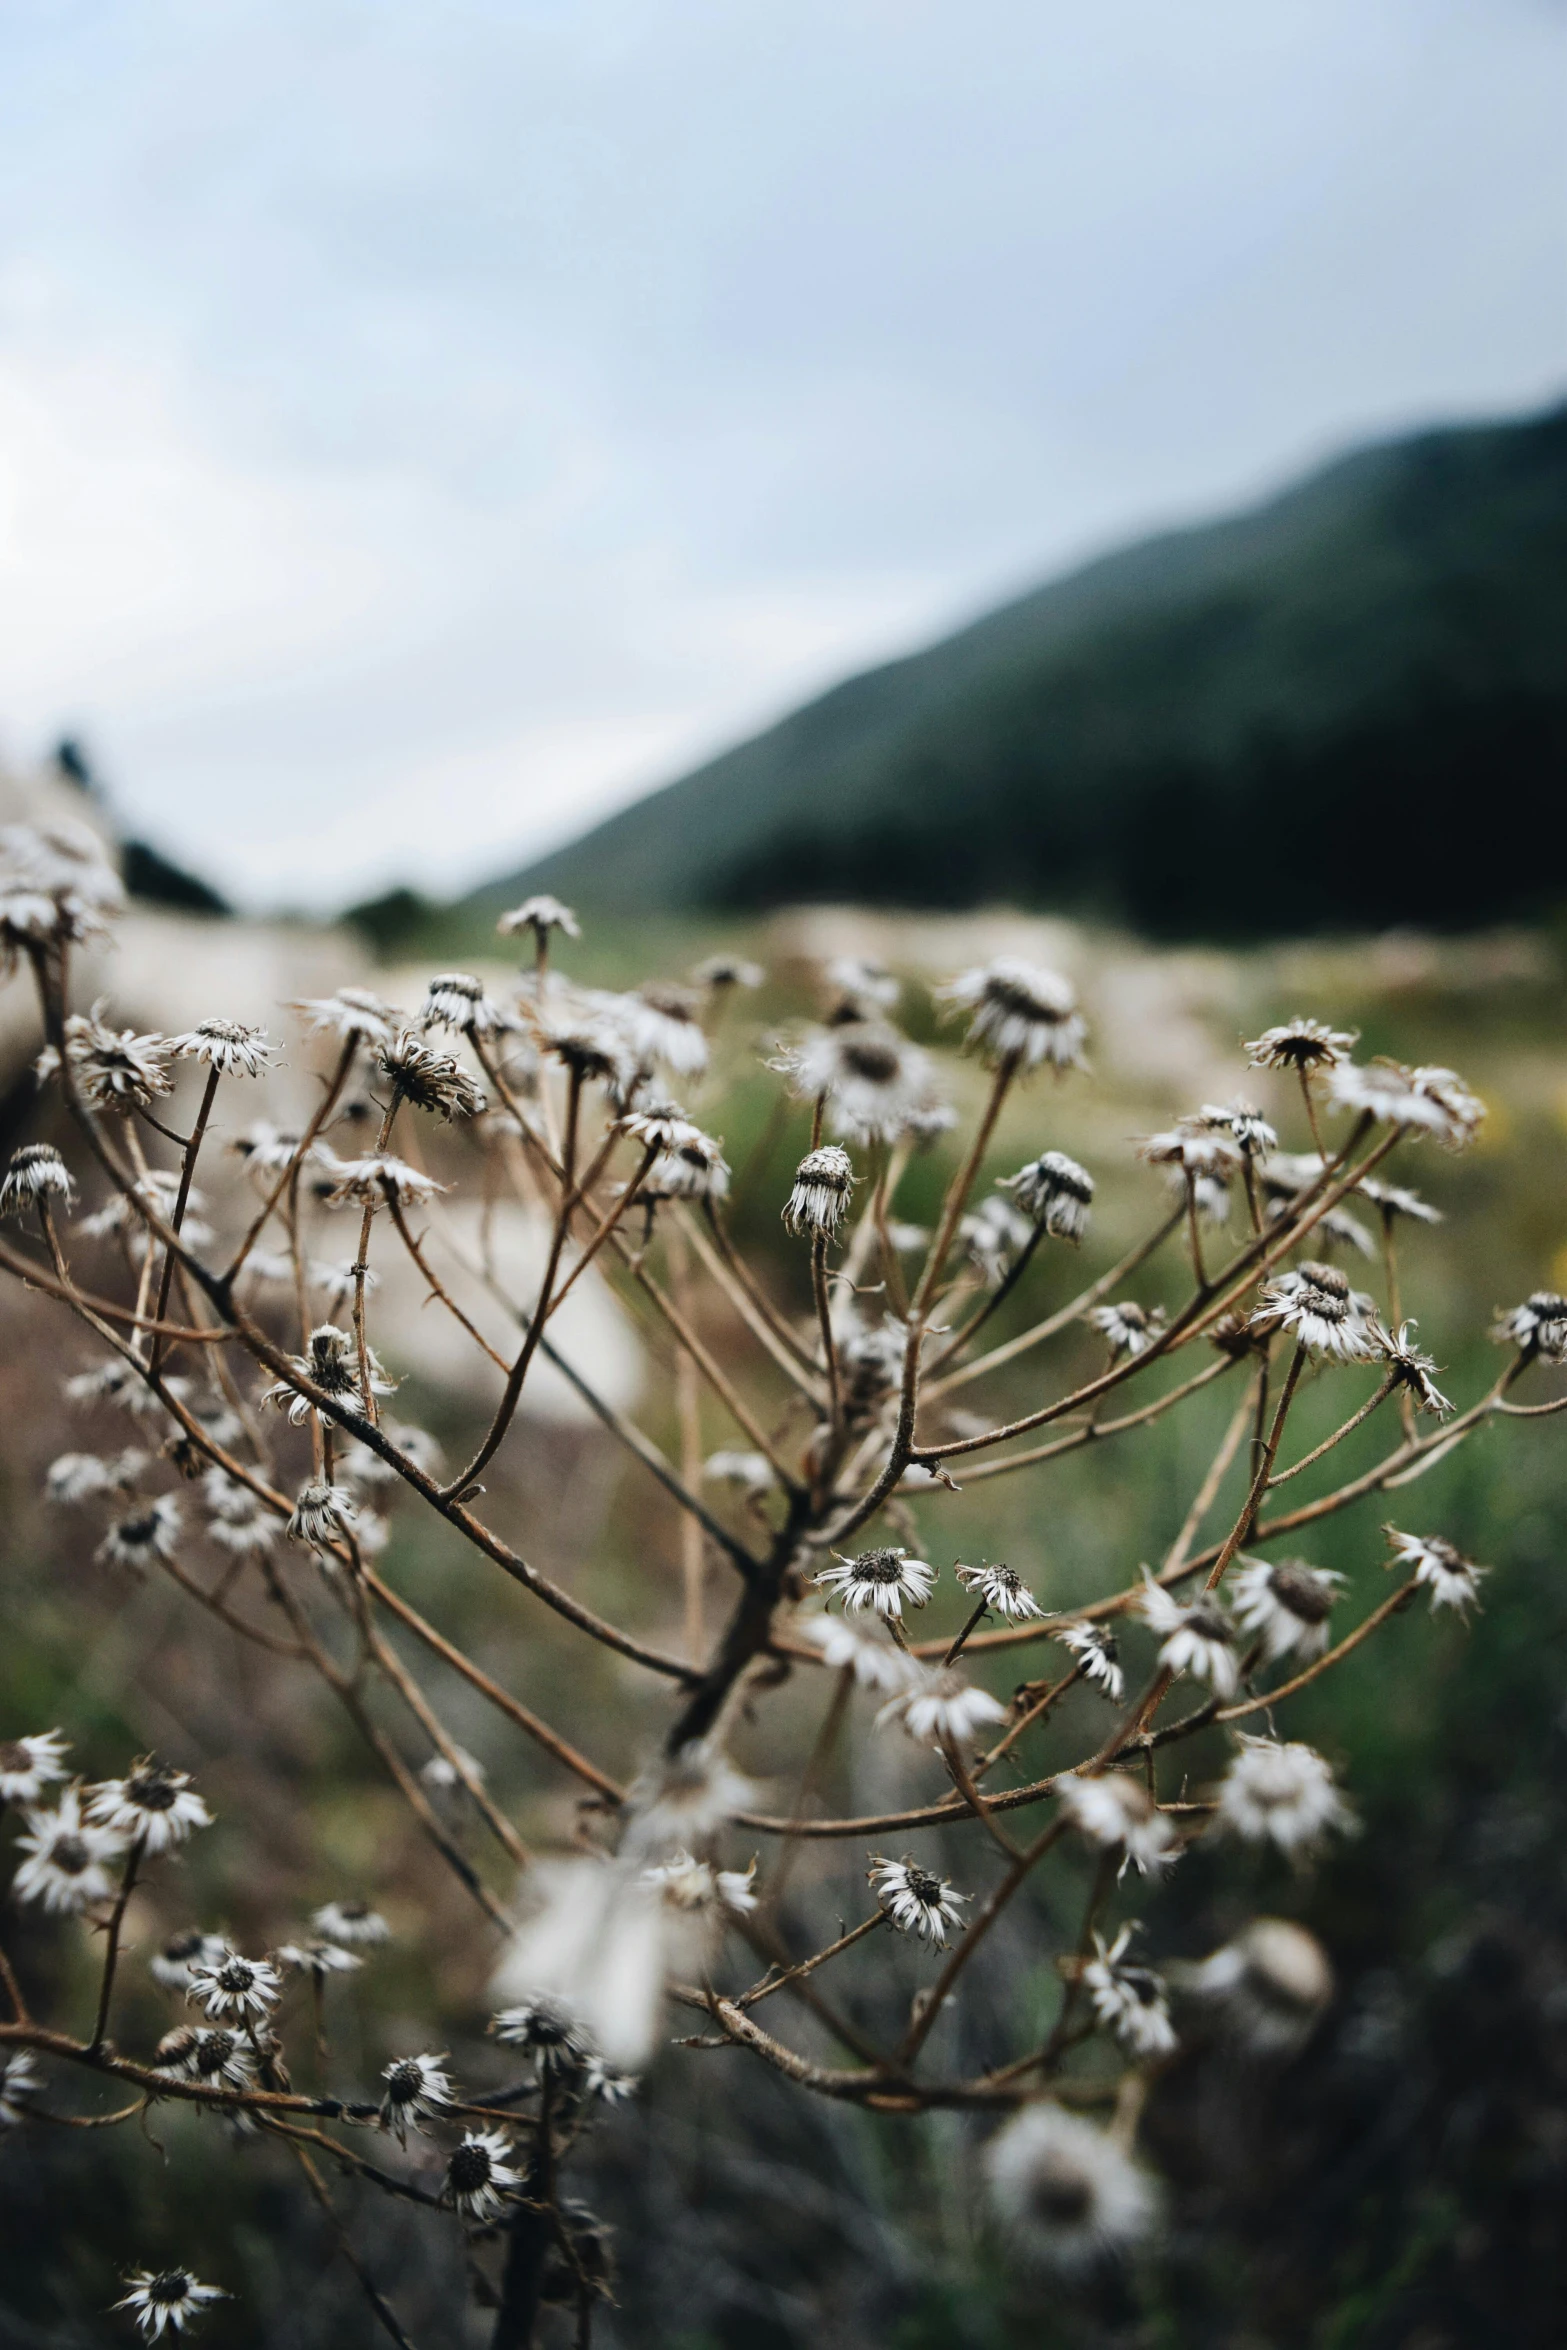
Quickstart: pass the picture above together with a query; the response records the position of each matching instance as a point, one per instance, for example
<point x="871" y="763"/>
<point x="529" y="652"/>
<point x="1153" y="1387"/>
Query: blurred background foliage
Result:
<point x="1398" y="2186"/>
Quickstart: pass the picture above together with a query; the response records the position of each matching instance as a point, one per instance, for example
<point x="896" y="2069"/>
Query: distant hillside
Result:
<point x="1347" y="707"/>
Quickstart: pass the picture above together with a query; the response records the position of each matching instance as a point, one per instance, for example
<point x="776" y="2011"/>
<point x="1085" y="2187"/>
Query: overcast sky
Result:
<point x="426" y="423"/>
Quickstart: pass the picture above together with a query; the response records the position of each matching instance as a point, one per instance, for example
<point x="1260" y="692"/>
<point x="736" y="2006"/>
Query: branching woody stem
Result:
<point x="838" y="1409"/>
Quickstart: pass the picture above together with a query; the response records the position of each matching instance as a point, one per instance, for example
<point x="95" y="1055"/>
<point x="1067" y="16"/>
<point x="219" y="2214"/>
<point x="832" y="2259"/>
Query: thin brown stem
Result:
<point x="1059" y="1320"/>
<point x="111" y="1955"/>
<point x="519" y="1370"/>
<point x="182" y="1199"/>
<point x="1347" y="1428"/>
<point x="824" y="1325"/>
<point x="324" y="1108"/>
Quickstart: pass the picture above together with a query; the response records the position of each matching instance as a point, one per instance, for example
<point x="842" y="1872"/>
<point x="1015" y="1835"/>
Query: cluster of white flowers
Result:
<point x="829" y="1480"/>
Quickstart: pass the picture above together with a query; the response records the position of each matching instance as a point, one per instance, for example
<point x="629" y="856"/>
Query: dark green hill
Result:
<point x="1348" y="707"/>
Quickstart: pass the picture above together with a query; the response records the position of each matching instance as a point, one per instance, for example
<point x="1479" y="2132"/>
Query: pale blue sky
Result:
<point x="424" y="423"/>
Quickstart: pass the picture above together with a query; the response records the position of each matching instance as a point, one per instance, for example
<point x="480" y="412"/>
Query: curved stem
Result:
<point x="519" y="1370"/>
<point x="182" y="1199"/>
<point x="111" y="1954"/>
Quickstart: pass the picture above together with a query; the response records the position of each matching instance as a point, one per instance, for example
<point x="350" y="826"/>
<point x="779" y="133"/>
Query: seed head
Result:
<point x="822" y="1184"/>
<point x="36" y="1173"/>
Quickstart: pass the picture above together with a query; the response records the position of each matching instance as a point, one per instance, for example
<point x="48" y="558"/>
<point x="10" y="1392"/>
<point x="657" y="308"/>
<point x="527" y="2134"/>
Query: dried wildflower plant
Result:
<point x="827" y="1409"/>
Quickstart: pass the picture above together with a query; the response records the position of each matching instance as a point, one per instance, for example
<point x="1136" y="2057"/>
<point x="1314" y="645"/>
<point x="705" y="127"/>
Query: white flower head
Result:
<point x="870" y="1358"/>
<point x="321" y="1514"/>
<point x="695" y="1885"/>
<point x="318" y="1958"/>
<point x="1317" y="1306"/>
<point x="31" y="918"/>
<point x="330" y="1362"/>
<point x="604" y="1945"/>
<point x="228" y="1985"/>
<point x="119" y="1382"/>
<point x="1130" y="2001"/>
<point x="1396" y="1199"/>
<point x="1198" y="1639"/>
<point x="1056" y="1192"/>
<point x="114" y="1068"/>
<point x="1419" y="1101"/>
<point x="1245" y="1125"/>
<point x="1095" y="1650"/>
<point x="1538" y="1326"/>
<point x="366" y="1470"/>
<point x="822" y="1184"/>
<point x="1267" y="1987"/>
<point x="657" y="1123"/>
<point x="1281" y="1794"/>
<point x="876" y="1084"/>
<point x="30" y="1764"/>
<point x="83" y="1476"/>
<point x="457" y="1000"/>
<point x="481" y="2176"/>
<point x="1452" y="1580"/>
<point x="1117" y="1809"/>
<point x="217" y="2057"/>
<point x="680" y="1804"/>
<point x="150" y="1532"/>
<point x="353" y="1015"/>
<point x="338" y="1282"/>
<point x="864" y="985"/>
<point x="66" y="1869"/>
<point x="430" y="1080"/>
<point x="1193" y="1150"/>
<point x="1002" y="1589"/>
<point x="916" y="1900"/>
<point x="544" y="2027"/>
<point x="1336" y="1228"/>
<point x="379" y="1178"/>
<point x="64" y="865"/>
<point x="153" y="1805"/>
<point x="172" y="1964"/>
<point x="692" y="1166"/>
<point x="1066" y="2195"/>
<point x="587" y="1036"/>
<point x="37" y="1174"/>
<point x="267" y="1149"/>
<point x="541" y="915"/>
<point x="941" y="1706"/>
<point x="1020" y="1013"/>
<point x="848" y="1646"/>
<point x="606" y="2082"/>
<point x="20" y="2083"/>
<point x="994" y="1234"/>
<point x="880" y="1579"/>
<point x="230" y="1047"/>
<point x="239" y="1520"/>
<point x="1127" y="1328"/>
<point x="353" y="1922"/>
<point x="750" y="1473"/>
<point x="1413" y="1371"/>
<point x="414" y="2087"/>
<point x="166" y="2298"/>
<point x="720" y="973"/>
<point x="446" y="1775"/>
<point x="1286" y="1604"/>
<point x="663" y="1023"/>
<point x="1300" y="1044"/>
<point x="1458" y="1114"/>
